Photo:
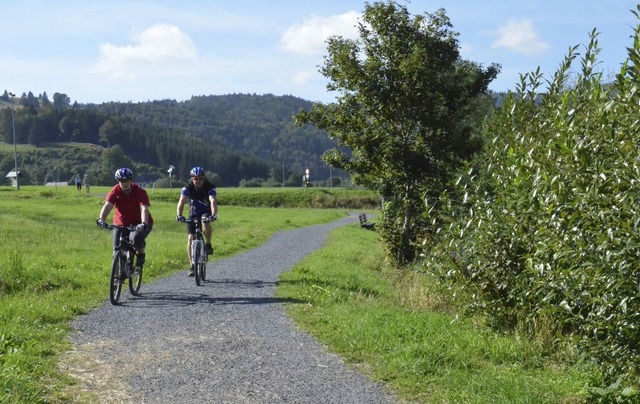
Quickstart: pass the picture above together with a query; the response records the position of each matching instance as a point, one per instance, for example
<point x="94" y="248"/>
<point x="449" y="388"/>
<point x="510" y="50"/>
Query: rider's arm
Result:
<point x="144" y="214"/>
<point x="106" y="209"/>
<point x="214" y="205"/>
<point x="181" y="202"/>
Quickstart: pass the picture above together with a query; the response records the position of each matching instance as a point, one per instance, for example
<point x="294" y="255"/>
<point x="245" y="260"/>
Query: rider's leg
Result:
<point x="189" y="238"/>
<point x="139" y="243"/>
<point x="191" y="268"/>
<point x="207" y="232"/>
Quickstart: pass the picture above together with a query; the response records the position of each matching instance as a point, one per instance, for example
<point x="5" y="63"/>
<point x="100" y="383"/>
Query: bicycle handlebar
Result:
<point x="203" y="219"/>
<point x="115" y="226"/>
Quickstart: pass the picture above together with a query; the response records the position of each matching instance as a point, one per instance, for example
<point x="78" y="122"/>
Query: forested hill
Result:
<point x="239" y="137"/>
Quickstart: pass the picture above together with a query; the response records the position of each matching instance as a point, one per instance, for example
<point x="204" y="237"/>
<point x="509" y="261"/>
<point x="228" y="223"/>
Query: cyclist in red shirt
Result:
<point x="132" y="208"/>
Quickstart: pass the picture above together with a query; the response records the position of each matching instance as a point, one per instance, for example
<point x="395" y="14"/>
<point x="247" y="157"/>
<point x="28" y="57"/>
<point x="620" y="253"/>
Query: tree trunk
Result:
<point x="406" y="250"/>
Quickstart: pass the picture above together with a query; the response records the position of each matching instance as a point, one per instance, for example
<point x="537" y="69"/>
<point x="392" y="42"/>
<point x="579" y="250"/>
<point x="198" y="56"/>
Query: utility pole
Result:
<point x="15" y="148"/>
<point x="170" y="171"/>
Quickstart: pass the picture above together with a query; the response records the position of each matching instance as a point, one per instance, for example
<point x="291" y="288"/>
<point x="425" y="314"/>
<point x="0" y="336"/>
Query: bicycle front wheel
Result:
<point x="203" y="266"/>
<point x="203" y="270"/>
<point x="196" y="251"/>
<point x="117" y="270"/>
<point x="135" y="280"/>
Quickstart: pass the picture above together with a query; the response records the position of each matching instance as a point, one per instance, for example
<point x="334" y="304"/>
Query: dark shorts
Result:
<point x="136" y="237"/>
<point x="191" y="227"/>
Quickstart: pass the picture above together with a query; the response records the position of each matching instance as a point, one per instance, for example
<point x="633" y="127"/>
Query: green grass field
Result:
<point x="55" y="266"/>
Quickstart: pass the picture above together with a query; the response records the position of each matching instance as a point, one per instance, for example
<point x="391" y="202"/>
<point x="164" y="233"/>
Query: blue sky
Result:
<point x="135" y="50"/>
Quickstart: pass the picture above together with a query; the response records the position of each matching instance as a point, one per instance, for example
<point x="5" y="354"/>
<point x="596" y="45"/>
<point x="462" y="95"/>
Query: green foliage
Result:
<point x="545" y="225"/>
<point x="366" y="311"/>
<point x="405" y="112"/>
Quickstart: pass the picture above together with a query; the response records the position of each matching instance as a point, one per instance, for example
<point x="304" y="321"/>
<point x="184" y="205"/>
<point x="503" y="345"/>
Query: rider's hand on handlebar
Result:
<point x="213" y="218"/>
<point x="180" y="218"/>
<point x="101" y="223"/>
<point x="141" y="227"/>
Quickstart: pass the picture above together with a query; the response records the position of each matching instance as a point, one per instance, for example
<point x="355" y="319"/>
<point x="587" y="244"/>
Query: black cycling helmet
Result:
<point x="124" y="174"/>
<point x="197" y="172"/>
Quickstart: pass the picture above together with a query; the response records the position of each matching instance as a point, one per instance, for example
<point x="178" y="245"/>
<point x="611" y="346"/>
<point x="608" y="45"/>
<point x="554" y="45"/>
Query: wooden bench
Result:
<point x="365" y="223"/>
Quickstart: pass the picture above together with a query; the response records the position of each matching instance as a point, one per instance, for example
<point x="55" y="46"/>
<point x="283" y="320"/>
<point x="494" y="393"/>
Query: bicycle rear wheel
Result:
<point x="117" y="269"/>
<point x="135" y="280"/>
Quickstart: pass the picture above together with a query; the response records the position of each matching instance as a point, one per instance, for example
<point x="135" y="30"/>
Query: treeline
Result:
<point x="259" y="126"/>
<point x="239" y="137"/>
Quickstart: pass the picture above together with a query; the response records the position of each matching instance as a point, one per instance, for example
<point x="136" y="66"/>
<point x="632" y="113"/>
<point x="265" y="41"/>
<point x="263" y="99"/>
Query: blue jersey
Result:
<point x="199" y="202"/>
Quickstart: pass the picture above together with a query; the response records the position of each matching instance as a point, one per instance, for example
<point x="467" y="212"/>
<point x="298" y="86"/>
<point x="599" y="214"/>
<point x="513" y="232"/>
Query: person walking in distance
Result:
<point x="85" y="181"/>
<point x="132" y="208"/>
<point x="78" y="182"/>
<point x="202" y="198"/>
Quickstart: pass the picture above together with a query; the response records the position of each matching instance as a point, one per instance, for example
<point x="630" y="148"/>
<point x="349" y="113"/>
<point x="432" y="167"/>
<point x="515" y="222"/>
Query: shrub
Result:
<point x="550" y="219"/>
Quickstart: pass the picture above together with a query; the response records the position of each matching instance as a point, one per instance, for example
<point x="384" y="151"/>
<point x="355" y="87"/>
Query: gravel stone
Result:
<point x="228" y="341"/>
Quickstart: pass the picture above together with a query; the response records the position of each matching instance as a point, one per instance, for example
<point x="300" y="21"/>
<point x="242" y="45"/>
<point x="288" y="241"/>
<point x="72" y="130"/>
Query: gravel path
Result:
<point x="228" y="341"/>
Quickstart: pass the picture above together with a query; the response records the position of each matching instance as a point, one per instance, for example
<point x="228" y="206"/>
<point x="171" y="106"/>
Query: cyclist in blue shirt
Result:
<point x="201" y="195"/>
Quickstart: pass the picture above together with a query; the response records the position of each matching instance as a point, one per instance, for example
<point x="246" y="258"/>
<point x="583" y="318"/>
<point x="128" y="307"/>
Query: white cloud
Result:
<point x="521" y="37"/>
<point x="303" y="77"/>
<point x="310" y="36"/>
<point x="153" y="48"/>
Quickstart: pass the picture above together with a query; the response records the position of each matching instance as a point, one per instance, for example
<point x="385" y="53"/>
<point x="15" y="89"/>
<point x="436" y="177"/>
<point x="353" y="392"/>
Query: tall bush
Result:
<point x="547" y="227"/>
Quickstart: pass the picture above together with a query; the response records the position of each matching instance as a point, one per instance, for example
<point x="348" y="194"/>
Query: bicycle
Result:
<point x="122" y="265"/>
<point x="199" y="256"/>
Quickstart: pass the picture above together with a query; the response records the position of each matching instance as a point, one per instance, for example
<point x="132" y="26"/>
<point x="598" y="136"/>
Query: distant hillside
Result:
<point x="238" y="137"/>
<point x="256" y="126"/>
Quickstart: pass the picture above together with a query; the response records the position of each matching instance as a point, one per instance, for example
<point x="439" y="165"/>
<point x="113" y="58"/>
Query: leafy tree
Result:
<point x="45" y="100"/>
<point x="61" y="101"/>
<point x="403" y="111"/>
<point x="112" y="159"/>
<point x="66" y="127"/>
<point x="30" y="101"/>
<point x="5" y="125"/>
<point x="106" y="132"/>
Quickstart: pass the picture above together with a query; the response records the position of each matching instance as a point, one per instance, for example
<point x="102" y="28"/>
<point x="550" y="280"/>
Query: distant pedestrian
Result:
<point x="78" y="182"/>
<point x="85" y="181"/>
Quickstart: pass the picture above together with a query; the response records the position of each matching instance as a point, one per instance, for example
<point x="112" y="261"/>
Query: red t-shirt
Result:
<point x="128" y="205"/>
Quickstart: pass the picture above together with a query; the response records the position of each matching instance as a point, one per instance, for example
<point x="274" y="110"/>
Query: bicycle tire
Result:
<point x="135" y="280"/>
<point x="196" y="260"/>
<point x="203" y="270"/>
<point x="115" y="283"/>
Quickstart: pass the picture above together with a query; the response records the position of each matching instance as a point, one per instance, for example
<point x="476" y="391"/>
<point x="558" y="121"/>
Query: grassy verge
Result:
<point x="388" y="325"/>
<point x="55" y="266"/>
